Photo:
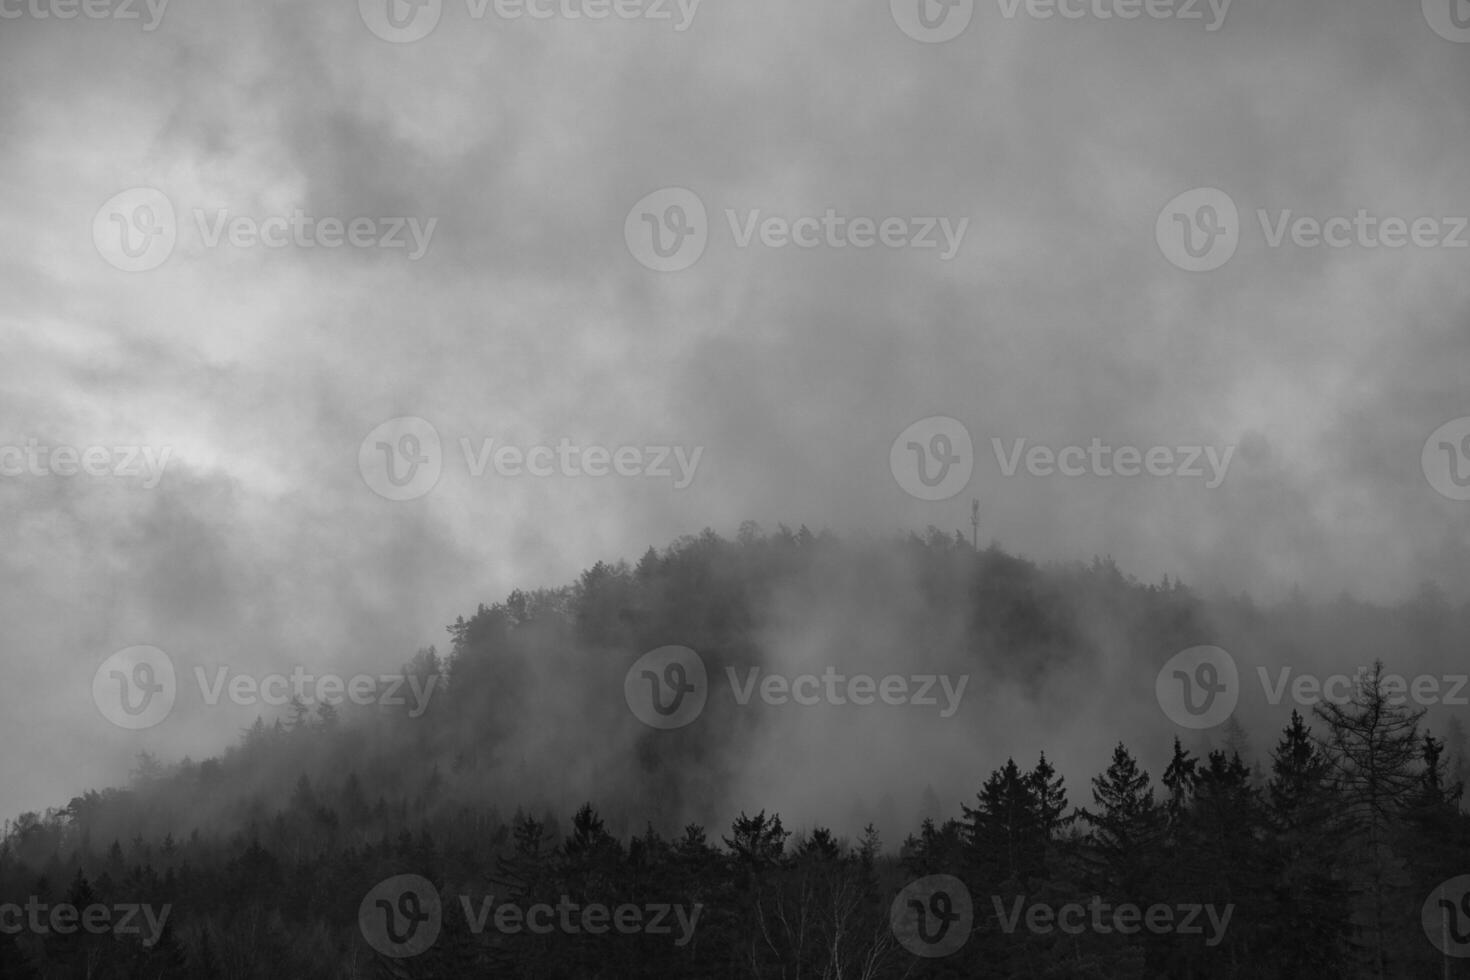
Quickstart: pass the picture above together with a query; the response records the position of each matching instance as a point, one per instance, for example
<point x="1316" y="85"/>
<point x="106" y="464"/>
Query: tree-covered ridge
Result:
<point x="1324" y="850"/>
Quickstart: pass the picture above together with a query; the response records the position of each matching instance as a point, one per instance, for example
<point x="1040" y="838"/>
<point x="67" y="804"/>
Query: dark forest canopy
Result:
<point x="526" y="777"/>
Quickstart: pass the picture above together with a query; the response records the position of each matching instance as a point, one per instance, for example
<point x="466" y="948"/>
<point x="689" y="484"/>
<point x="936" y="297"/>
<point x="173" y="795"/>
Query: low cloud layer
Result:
<point x="526" y="320"/>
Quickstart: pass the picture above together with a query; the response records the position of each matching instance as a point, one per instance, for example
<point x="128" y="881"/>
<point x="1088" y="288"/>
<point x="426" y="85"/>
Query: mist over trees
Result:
<point x="523" y="775"/>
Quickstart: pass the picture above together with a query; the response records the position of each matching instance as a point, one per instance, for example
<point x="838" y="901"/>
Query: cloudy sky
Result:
<point x="174" y="173"/>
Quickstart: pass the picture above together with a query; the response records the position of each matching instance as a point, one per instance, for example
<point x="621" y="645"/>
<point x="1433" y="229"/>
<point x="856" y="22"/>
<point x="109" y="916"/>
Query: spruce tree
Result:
<point x="1125" y="826"/>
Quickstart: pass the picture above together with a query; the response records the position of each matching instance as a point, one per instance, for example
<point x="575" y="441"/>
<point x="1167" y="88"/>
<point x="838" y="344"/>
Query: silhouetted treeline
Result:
<point x="1324" y="850"/>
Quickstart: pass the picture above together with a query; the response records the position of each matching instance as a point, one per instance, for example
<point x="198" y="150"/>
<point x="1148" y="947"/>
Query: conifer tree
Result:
<point x="1179" y="780"/>
<point x="1125" y="825"/>
<point x="1373" y="748"/>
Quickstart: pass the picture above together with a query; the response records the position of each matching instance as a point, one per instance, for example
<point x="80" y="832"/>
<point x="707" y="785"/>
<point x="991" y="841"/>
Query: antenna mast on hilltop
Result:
<point x="975" y="524"/>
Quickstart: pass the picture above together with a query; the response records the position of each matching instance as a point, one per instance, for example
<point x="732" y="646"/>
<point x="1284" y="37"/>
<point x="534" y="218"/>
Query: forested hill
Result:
<point x="264" y="853"/>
